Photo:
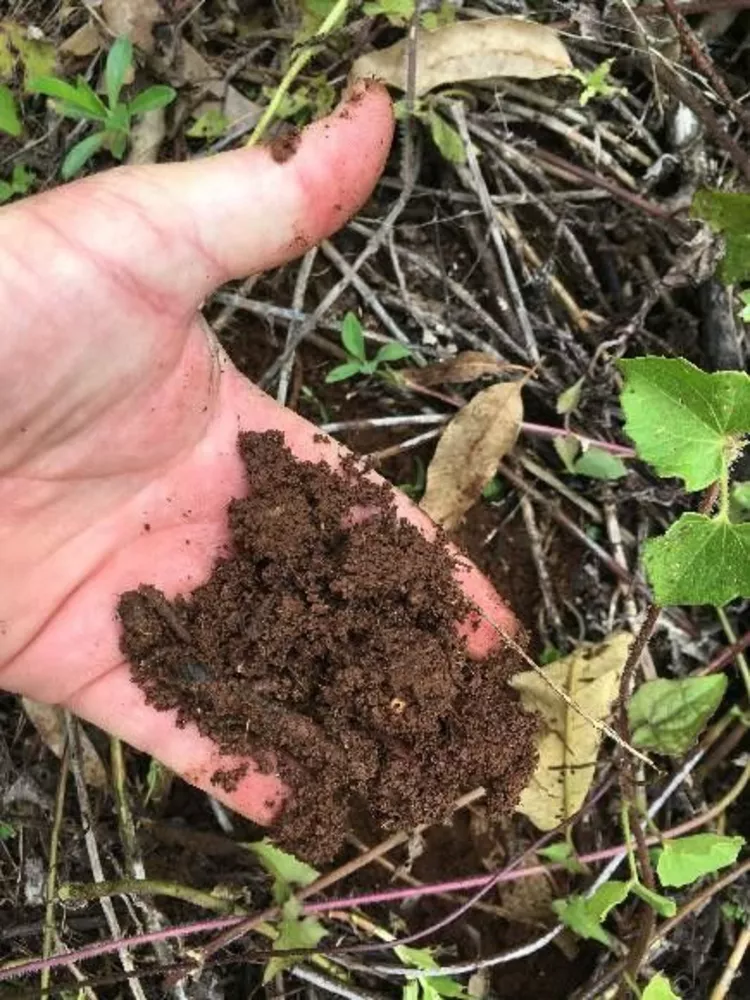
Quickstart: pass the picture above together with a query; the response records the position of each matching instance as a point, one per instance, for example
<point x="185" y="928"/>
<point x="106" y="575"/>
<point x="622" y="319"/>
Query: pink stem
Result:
<point x="542" y="430"/>
<point x="326" y="905"/>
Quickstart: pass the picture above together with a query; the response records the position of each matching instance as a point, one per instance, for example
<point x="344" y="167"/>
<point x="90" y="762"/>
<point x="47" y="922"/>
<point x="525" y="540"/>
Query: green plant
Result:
<point x="596" y="82"/>
<point x="693" y="425"/>
<point x="21" y="181"/>
<point x="357" y="362"/>
<point x="113" y="117"/>
<point x="9" y="120"/>
<point x="446" y="138"/>
<point x="415" y="488"/>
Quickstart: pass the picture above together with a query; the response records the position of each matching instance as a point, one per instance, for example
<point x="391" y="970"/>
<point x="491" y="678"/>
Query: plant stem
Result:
<point x="740" y="658"/>
<point x="298" y="64"/>
<point x="150" y="887"/>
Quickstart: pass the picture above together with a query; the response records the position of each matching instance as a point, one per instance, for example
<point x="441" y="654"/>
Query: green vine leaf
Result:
<point x="700" y="560"/>
<point x="667" y="715"/>
<point x="586" y="916"/>
<point x="295" y="932"/>
<point x="728" y="212"/>
<point x="659" y="988"/>
<point x="662" y="905"/>
<point x="689" y="858"/>
<point x="685" y="422"/>
<point x="285" y="870"/>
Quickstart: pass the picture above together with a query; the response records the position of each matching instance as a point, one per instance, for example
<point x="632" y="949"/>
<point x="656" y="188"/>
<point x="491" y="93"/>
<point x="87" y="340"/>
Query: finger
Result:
<point x="116" y="705"/>
<point x="170" y="233"/>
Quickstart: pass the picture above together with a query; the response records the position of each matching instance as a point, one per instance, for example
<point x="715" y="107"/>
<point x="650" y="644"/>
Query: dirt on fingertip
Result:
<point x="324" y="645"/>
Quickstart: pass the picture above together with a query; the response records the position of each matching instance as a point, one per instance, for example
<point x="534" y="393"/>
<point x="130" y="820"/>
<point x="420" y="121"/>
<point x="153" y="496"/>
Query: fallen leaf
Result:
<point x="84" y="42"/>
<point x="570" y="744"/>
<point x="146" y="136"/>
<point x="49" y="722"/>
<point x="464" y="367"/>
<point x="198" y="71"/>
<point x="468" y="452"/>
<point x="134" y="18"/>
<point x="527" y="901"/>
<point x="471" y="50"/>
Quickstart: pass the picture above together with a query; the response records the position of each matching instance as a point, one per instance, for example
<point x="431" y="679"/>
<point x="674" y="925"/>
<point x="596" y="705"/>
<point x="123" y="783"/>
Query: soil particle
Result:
<point x="330" y="652"/>
<point x="284" y="146"/>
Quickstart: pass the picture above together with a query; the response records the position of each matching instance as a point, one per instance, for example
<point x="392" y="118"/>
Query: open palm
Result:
<point x="119" y="412"/>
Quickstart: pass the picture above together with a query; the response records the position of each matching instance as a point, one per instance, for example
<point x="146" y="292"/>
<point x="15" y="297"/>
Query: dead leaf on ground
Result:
<point x="134" y="18"/>
<point x="468" y="452"/>
<point x="464" y="367"/>
<point x="528" y="900"/>
<point x="471" y="50"/>
<point x="49" y="722"/>
<point x="569" y="745"/>
<point x="200" y="73"/>
<point x="83" y="42"/>
<point x="146" y="136"/>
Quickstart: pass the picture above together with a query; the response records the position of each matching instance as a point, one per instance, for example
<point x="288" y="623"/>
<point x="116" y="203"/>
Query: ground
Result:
<point x="603" y="261"/>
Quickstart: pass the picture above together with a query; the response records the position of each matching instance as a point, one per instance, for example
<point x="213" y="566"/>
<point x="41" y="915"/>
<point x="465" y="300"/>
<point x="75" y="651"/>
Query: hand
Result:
<point x="120" y="413"/>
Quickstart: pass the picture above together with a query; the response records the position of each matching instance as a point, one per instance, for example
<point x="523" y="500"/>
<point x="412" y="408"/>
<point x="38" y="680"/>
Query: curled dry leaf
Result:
<point x="134" y="18"/>
<point x="468" y="452"/>
<point x="84" y="42"/>
<point x="570" y="744"/>
<point x="49" y="722"/>
<point x="464" y="367"/>
<point x="471" y="50"/>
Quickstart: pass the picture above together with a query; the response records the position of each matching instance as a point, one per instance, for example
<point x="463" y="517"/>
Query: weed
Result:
<point x="21" y="181"/>
<point x="596" y="82"/>
<point x="357" y="362"/>
<point x="113" y="119"/>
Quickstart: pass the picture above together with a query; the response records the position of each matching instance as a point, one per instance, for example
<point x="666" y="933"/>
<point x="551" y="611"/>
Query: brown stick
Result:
<point x="705" y="64"/>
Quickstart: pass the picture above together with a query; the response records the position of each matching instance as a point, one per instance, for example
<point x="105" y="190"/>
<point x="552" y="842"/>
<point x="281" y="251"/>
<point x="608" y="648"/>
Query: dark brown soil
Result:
<point x="285" y="145"/>
<point x="337" y="637"/>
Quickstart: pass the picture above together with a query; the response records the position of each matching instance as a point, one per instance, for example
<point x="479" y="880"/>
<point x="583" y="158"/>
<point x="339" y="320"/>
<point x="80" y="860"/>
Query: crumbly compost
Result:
<point x="324" y="644"/>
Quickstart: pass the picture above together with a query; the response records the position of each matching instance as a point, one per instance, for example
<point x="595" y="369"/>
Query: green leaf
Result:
<point x="392" y="352"/>
<point x="574" y="912"/>
<point x="444" y="986"/>
<point x="599" y="464"/>
<point x="9" y="120"/>
<point x="700" y="560"/>
<point x="78" y="97"/>
<point x="341" y="372"/>
<point x="607" y="897"/>
<point x="741" y="495"/>
<point x="117" y="142"/>
<point x="80" y="154"/>
<point x="410" y="990"/>
<point x="118" y="120"/>
<point x="567" y="448"/>
<point x="745" y="300"/>
<point x="667" y="715"/>
<point x="420" y="958"/>
<point x="446" y="138"/>
<point x="158" y="96"/>
<point x="684" y="421"/>
<point x="209" y="125"/>
<point x="119" y="61"/>
<point x="569" y="399"/>
<point x="22" y="179"/>
<point x="398" y="12"/>
<point x="494" y="489"/>
<point x="294" y="932"/>
<point x="6" y="191"/>
<point x="562" y="853"/>
<point x="658" y="988"/>
<point x="7" y="830"/>
<point x="662" y="905"/>
<point x="728" y="213"/>
<point x="689" y="858"/>
<point x="284" y="868"/>
<point x="352" y="337"/>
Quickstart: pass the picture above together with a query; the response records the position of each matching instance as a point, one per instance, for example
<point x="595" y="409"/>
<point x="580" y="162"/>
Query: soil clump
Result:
<point x="324" y="645"/>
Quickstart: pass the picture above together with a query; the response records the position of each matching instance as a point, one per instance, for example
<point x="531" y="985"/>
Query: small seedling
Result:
<point x="357" y="362"/>
<point x="415" y="488"/>
<point x="446" y="138"/>
<point x="21" y="181"/>
<point x="596" y="82"/>
<point x="114" y="118"/>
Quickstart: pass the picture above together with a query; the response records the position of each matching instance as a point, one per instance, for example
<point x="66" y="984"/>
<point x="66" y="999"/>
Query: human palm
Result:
<point x="120" y="412"/>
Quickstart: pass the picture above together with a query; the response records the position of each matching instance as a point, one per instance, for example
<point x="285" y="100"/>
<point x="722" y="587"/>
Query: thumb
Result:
<point x="172" y="232"/>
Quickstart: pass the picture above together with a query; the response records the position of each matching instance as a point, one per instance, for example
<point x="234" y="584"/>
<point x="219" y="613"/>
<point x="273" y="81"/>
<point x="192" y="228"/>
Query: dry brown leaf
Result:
<point x="49" y="722"/>
<point x="146" y="136"/>
<point x="471" y="50"/>
<point x="83" y="42"/>
<point x="464" y="367"/>
<point x="199" y="72"/>
<point x="528" y="900"/>
<point x="134" y="18"/>
<point x="469" y="450"/>
<point x="570" y="743"/>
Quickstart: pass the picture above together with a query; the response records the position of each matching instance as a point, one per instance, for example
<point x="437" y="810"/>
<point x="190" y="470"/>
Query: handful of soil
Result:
<point x="324" y="645"/>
